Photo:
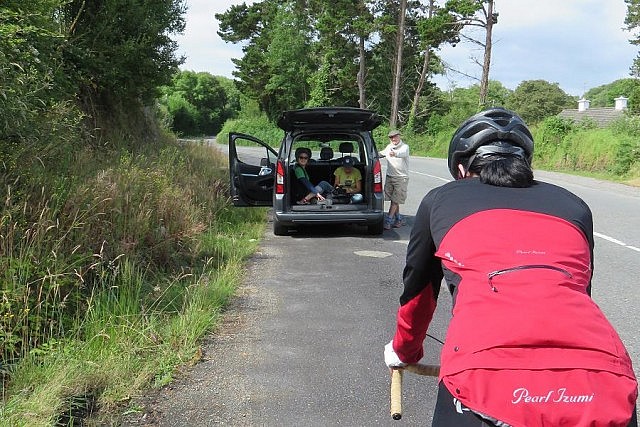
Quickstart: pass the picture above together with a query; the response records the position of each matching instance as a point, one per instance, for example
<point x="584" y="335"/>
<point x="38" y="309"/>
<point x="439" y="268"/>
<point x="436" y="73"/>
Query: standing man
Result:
<point x="397" y="179"/>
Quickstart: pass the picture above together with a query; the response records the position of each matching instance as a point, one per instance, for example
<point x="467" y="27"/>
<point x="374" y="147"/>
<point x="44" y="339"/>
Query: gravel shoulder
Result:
<point x="218" y="382"/>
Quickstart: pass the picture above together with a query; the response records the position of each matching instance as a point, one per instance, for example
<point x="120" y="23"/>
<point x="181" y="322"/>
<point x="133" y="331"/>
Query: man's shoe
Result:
<point x="387" y="223"/>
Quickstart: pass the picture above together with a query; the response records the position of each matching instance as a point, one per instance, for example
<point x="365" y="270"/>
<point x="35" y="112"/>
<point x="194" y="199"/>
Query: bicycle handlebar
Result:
<point x="396" y="384"/>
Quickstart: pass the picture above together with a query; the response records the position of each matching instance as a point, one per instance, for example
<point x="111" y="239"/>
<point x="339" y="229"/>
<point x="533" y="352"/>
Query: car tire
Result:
<point x="279" y="229"/>
<point x="376" y="229"/>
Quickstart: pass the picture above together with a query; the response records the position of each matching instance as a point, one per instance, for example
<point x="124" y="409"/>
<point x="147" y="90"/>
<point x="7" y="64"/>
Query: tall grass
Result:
<point x="112" y="271"/>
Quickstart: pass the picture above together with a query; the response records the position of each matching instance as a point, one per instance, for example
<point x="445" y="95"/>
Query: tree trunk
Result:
<point x="423" y="75"/>
<point x="395" y="94"/>
<point x="361" y="75"/>
<point x="484" y="82"/>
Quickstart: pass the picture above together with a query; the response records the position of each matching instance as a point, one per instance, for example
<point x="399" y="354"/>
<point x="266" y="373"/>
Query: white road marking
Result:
<point x="430" y="176"/>
<point x="373" y="254"/>
<point x="616" y="241"/>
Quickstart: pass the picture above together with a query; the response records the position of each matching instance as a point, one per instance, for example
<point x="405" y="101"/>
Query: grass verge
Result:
<point x="111" y="280"/>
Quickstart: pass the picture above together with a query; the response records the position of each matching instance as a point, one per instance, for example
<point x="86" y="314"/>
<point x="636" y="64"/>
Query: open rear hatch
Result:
<point x="336" y="118"/>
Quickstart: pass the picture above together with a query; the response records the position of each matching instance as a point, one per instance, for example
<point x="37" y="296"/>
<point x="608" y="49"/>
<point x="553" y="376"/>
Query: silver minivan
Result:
<point x="262" y="176"/>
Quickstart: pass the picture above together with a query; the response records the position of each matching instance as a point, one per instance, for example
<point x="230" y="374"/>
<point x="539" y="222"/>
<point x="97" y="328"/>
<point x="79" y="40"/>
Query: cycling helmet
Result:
<point x="496" y="131"/>
<point x="348" y="161"/>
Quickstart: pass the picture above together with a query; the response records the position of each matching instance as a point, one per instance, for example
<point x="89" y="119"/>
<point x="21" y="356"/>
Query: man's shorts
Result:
<point x="395" y="189"/>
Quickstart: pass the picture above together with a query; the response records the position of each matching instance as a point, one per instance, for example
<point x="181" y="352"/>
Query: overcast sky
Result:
<point x="579" y="44"/>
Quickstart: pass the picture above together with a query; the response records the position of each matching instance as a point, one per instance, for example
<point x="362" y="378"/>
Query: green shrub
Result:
<point x="259" y="127"/>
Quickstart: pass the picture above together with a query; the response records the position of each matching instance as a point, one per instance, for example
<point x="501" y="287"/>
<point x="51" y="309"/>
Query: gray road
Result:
<point x="302" y="343"/>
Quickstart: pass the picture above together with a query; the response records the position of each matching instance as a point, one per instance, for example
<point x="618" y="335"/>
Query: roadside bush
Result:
<point x="627" y="131"/>
<point x="259" y="127"/>
<point x="565" y="145"/>
<point x="549" y="137"/>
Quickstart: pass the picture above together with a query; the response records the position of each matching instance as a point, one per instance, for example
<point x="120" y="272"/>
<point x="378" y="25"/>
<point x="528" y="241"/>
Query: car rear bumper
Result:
<point x="308" y="217"/>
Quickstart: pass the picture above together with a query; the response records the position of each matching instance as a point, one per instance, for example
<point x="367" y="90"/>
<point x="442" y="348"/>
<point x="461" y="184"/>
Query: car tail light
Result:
<point x="377" y="177"/>
<point x="280" y="177"/>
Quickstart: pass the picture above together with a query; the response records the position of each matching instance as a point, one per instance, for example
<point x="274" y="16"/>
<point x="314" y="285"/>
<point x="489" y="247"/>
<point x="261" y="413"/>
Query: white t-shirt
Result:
<point x="397" y="165"/>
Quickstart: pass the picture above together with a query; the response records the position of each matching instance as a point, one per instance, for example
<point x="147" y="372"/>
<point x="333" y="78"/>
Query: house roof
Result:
<point x="601" y="116"/>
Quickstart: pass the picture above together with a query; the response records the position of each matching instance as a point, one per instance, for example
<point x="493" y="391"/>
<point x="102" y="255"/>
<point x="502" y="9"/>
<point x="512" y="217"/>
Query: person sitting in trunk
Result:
<point x="348" y="177"/>
<point x="316" y="192"/>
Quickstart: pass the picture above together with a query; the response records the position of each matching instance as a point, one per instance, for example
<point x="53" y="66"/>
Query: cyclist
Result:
<point x="526" y="344"/>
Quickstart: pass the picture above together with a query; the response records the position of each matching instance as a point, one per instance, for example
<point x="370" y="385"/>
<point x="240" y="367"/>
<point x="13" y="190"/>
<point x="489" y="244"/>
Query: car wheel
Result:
<point x="376" y="229"/>
<point x="279" y="229"/>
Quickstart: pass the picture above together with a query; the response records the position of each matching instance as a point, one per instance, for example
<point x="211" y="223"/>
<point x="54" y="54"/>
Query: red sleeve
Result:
<point x="414" y="318"/>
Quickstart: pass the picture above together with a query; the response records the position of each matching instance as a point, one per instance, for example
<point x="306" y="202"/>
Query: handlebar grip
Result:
<point x="420" y="369"/>
<point x="396" y="394"/>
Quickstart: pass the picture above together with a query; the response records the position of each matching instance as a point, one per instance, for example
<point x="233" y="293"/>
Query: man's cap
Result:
<point x="394" y="133"/>
<point x="348" y="161"/>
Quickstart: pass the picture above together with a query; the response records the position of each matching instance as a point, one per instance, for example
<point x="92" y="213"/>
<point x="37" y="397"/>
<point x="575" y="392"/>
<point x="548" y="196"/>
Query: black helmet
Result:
<point x="499" y="130"/>
<point x="348" y="161"/>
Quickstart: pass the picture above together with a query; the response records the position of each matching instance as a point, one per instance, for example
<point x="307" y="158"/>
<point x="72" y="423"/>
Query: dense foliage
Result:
<point x="109" y="55"/>
<point x="74" y="77"/>
<point x="536" y="99"/>
<point x="605" y="95"/>
<point x="199" y="103"/>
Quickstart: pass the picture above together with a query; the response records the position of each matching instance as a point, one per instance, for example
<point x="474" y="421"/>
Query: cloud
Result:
<point x="203" y="49"/>
<point x="578" y="44"/>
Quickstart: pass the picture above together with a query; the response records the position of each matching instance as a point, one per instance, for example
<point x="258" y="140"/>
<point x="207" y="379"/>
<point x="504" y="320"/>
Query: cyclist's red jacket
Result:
<point x="526" y="344"/>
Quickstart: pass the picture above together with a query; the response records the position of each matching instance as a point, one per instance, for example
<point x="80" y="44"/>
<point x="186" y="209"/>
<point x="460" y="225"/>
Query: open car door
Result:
<point x="251" y="170"/>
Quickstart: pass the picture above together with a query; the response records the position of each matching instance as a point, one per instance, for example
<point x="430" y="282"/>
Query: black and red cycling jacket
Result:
<point x="518" y="262"/>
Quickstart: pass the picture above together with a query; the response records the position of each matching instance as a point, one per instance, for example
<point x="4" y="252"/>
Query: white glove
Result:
<point x="391" y="359"/>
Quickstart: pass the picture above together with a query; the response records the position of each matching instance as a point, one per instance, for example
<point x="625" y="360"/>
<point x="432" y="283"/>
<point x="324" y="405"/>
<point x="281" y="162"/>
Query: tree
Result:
<point x="197" y="103"/>
<point x="605" y="95"/>
<point x="383" y="56"/>
<point x="362" y="27"/>
<point x="632" y="21"/>
<point x="397" y="72"/>
<point x="234" y="97"/>
<point x="288" y="61"/>
<point x="490" y="18"/>
<point x="478" y="13"/>
<point x="441" y="25"/>
<point x="343" y="28"/>
<point x="463" y="102"/>
<point x="30" y="63"/>
<point x="535" y="100"/>
<point x="120" y="51"/>
<point x="341" y="52"/>
<point x="273" y="69"/>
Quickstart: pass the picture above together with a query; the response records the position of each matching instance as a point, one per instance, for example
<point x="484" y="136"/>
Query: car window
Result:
<point x="256" y="156"/>
<point x="324" y="148"/>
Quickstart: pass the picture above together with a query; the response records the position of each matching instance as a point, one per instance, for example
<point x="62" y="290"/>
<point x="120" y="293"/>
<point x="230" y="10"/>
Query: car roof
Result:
<point x="347" y="118"/>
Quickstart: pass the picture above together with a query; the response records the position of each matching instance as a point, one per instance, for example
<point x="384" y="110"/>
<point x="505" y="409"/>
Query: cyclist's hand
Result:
<point x="391" y="359"/>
